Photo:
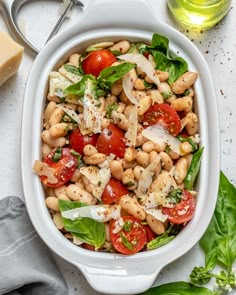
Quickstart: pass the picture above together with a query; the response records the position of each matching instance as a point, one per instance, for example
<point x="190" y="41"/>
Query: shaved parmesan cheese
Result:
<point x="131" y="134"/>
<point x="128" y="87"/>
<point x="159" y="135"/>
<point x="157" y="213"/>
<point x="92" y="117"/>
<point x="70" y="76"/>
<point x="99" y="177"/>
<point x="147" y="175"/>
<point x="42" y="169"/>
<point x="70" y="112"/>
<point x="118" y="225"/>
<point x="142" y="63"/>
<point x="101" y="213"/>
<point x="104" y="177"/>
<point x="91" y="173"/>
<point x="57" y="84"/>
<point x="155" y="199"/>
<point x="77" y="241"/>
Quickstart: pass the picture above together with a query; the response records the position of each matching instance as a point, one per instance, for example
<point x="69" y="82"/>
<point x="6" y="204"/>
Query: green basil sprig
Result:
<point x="178" y="288"/>
<point x="86" y="229"/>
<point x="175" y="66"/>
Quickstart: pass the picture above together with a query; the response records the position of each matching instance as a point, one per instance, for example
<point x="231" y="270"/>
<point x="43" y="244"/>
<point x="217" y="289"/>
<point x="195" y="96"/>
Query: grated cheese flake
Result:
<point x="42" y="169"/>
<point x="131" y="134"/>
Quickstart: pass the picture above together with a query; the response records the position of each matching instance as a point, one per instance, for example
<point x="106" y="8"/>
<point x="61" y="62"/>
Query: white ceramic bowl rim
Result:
<point x="144" y="265"/>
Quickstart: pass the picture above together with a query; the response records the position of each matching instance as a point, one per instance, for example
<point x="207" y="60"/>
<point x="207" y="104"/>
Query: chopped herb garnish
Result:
<point x="116" y="52"/>
<point x="57" y="155"/>
<point x="186" y="92"/>
<point x="99" y="183"/>
<point x="166" y="94"/>
<point x="127" y="225"/>
<point x="147" y="85"/>
<point x="175" y="196"/>
<point x="125" y="242"/>
<point x="167" y="149"/>
<point x="110" y="108"/>
<point x="79" y="158"/>
<point x="129" y="184"/>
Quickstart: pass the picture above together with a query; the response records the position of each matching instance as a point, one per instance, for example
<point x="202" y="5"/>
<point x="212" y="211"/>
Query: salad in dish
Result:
<point x="120" y="146"/>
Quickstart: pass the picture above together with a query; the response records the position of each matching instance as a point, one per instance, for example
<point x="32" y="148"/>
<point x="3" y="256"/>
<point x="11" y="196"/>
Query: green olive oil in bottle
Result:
<point x="199" y="14"/>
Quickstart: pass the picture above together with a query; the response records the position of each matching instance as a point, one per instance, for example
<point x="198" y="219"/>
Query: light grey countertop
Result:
<point x="217" y="45"/>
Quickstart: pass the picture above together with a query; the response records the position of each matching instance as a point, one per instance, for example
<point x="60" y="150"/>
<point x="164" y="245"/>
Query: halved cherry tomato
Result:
<point x="146" y="54"/>
<point x="97" y="61"/>
<point x="113" y="191"/>
<point x="130" y="239"/>
<point x="79" y="141"/>
<point x="166" y="116"/>
<point x="183" y="211"/>
<point x="112" y="141"/>
<point x="64" y="168"/>
<point x="150" y="234"/>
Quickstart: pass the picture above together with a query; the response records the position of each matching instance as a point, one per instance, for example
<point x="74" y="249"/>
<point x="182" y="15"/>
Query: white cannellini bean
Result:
<point x="129" y="155"/>
<point x="183" y="104"/>
<point x="60" y="190"/>
<point x="56" y="117"/>
<point x="52" y="142"/>
<point x="184" y="82"/>
<point x="116" y="169"/>
<point x="192" y="123"/>
<point x="122" y="46"/>
<point x="59" y="130"/>
<point x="166" y="161"/>
<point x="52" y="203"/>
<point x="76" y="193"/>
<point x="49" y="110"/>
<point x="95" y="159"/>
<point x="181" y="168"/>
<point x="156" y="225"/>
<point x="132" y="207"/>
<point x="89" y="150"/>
<point x="144" y="104"/>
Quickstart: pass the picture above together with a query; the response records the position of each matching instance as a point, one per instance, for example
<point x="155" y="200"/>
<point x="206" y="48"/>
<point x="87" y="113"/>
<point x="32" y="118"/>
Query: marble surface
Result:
<point x="217" y="45"/>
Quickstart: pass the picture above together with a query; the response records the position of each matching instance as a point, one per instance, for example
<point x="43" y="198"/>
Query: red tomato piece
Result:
<point x="64" y="168"/>
<point x="79" y="141"/>
<point x="166" y="116"/>
<point x="183" y="211"/>
<point x="97" y="61"/>
<point x="112" y="141"/>
<point x="113" y="191"/>
<point x="150" y="234"/>
<point x="146" y="54"/>
<point x="88" y="247"/>
<point x="130" y="240"/>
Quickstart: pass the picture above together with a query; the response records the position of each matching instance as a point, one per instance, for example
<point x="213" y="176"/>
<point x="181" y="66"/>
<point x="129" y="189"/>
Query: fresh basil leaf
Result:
<point x="136" y="47"/>
<point x="176" y="66"/>
<point x="57" y="155"/>
<point x="125" y="242"/>
<point x="193" y="169"/>
<point x="222" y="229"/>
<point x="211" y="258"/>
<point x="147" y="85"/>
<point x="65" y="205"/>
<point x="178" y="288"/>
<point x="111" y="74"/>
<point x="167" y="94"/>
<point x="87" y="230"/>
<point x="159" y="242"/>
<point x="116" y="52"/>
<point x="72" y="69"/>
<point x="79" y="88"/>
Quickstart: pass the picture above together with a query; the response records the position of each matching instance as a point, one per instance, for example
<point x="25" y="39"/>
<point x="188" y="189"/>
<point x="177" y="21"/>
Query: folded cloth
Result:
<point x="26" y="266"/>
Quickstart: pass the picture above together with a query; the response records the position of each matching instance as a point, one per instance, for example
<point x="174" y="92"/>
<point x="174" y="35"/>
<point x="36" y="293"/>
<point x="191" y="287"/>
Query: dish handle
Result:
<point x="117" y="280"/>
<point x="137" y="14"/>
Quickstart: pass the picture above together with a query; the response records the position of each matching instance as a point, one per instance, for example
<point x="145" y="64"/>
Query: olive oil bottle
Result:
<point x="200" y="14"/>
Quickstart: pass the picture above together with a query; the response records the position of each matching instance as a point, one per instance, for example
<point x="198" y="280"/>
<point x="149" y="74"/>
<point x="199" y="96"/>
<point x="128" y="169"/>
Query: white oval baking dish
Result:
<point x="105" y="272"/>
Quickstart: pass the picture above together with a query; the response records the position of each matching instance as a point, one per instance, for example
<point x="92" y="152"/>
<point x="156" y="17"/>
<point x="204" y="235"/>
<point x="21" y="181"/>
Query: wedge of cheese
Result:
<point x="10" y="57"/>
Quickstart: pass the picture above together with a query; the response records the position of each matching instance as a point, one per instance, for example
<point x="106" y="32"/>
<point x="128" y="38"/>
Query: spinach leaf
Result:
<point x="178" y="288"/>
<point x="222" y="229"/>
<point x="111" y="74"/>
<point x="79" y="88"/>
<point x="86" y="229"/>
<point x="176" y="66"/>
